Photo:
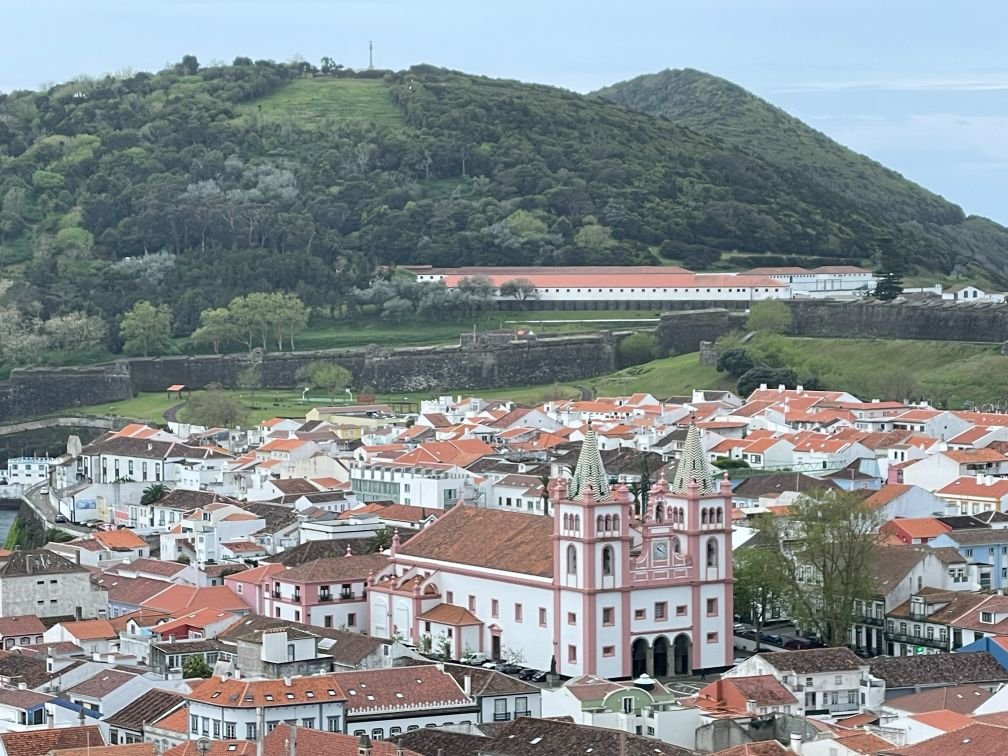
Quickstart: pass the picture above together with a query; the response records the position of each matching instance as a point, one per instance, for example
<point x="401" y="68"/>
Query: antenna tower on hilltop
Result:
<point x="370" y="55"/>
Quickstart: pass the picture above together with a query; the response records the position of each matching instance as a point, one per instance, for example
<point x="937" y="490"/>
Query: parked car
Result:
<point x="740" y="628"/>
<point x="491" y="665"/>
<point x="539" y="676"/>
<point x="60" y="518"/>
<point x="771" y="638"/>
<point x="476" y="659"/>
<point x="527" y="674"/>
<point x="509" y="669"/>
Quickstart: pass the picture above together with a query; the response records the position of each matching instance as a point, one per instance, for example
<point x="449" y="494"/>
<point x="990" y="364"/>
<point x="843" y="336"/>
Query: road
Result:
<point x="42" y="505"/>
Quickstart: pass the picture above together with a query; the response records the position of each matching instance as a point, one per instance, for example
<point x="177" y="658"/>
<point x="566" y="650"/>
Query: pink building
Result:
<point x="591" y="589"/>
<point x="251" y="586"/>
<point x="327" y="592"/>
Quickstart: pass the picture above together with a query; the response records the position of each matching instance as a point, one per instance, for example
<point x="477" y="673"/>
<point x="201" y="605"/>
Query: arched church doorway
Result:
<point x="682" y="650"/>
<point x="638" y="654"/>
<point x="660" y="652"/>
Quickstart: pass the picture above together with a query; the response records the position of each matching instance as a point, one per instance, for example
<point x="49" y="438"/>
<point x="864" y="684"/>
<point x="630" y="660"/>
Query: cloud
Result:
<point x="994" y="81"/>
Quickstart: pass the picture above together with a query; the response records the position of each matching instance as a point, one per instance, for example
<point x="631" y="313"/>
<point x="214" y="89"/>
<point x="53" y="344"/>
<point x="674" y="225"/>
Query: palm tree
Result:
<point x="544" y="479"/>
<point x="380" y="541"/>
<point x="153" y="493"/>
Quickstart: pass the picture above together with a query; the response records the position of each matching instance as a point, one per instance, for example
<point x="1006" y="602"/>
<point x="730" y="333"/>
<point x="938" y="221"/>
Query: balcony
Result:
<point x="346" y="595"/>
<point x="917" y="640"/>
<point x="869" y="620"/>
<point x="525" y="713"/>
<point x="872" y="683"/>
<point x="501" y="716"/>
<point x="275" y="593"/>
<point x="323" y="597"/>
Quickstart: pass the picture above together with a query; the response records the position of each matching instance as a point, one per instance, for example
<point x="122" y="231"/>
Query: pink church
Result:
<point x="591" y="589"/>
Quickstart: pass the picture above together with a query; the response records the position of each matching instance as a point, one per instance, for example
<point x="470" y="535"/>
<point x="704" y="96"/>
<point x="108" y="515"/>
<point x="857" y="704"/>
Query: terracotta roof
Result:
<point x="177" y="721"/>
<point x="759" y="748"/>
<point x="863" y="742"/>
<point x="94" y="629"/>
<point x="975" y="740"/>
<point x="177" y="598"/>
<point x="27" y="624"/>
<point x="36" y="742"/>
<point x="886" y="494"/>
<point x="963" y="699"/>
<point x="765" y="690"/>
<point x="937" y="669"/>
<point x="920" y="527"/>
<point x="122" y="539"/>
<point x="815" y="660"/>
<point x="966" y="456"/>
<point x="130" y="749"/>
<point x="311" y="742"/>
<point x="199" y="618"/>
<point x="449" y="614"/>
<point x="217" y="748"/>
<point x="22" y="699"/>
<point x="129" y="590"/>
<point x="153" y="566"/>
<point x="507" y="541"/>
<point x="248" y="694"/>
<point x="943" y="719"/>
<point x="418" y="687"/>
<point x="529" y="736"/>
<point x="969" y="487"/>
<point x="258" y="574"/>
<point x="334" y="569"/>
<point x="148" y="708"/>
<point x="488" y="682"/>
<point x="101" y="684"/>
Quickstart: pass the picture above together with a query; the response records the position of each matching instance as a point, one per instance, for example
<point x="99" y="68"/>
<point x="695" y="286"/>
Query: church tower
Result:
<point x="685" y="556"/>
<point x="591" y="564"/>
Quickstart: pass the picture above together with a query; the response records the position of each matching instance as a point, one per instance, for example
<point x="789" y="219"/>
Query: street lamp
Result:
<point x="203" y="745"/>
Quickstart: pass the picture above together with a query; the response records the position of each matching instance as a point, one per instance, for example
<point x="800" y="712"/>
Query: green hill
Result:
<point x="934" y="234"/>
<point x="195" y="184"/>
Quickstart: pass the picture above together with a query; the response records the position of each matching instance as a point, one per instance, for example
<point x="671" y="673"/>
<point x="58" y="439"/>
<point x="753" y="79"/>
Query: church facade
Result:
<point x="592" y="588"/>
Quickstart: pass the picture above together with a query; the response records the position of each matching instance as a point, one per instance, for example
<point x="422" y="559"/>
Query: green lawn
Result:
<point x="318" y="100"/>
<point x="371" y="329"/>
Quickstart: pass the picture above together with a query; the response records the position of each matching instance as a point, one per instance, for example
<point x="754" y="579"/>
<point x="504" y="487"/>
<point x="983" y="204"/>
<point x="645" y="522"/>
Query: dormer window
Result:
<point x="987" y="618"/>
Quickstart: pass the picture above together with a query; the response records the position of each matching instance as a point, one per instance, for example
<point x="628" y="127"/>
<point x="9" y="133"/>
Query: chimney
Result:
<point x="260" y="730"/>
<point x="796" y="742"/>
<point x="979" y="479"/>
<point x="287" y="681"/>
<point x="467" y="685"/>
<point x="780" y="388"/>
<point x="399" y="750"/>
<point x="364" y="746"/>
<point x="292" y="739"/>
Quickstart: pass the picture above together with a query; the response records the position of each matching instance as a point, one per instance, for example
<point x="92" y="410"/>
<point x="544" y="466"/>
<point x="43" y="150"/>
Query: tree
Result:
<point x="758" y="585"/>
<point x="249" y="379"/>
<point x="380" y="541"/>
<point x="154" y="492"/>
<point x="217" y="325"/>
<point x="889" y="286"/>
<point x="214" y="409"/>
<point x="520" y="288"/>
<point x="196" y="666"/>
<point x="758" y="376"/>
<point x="329" y="376"/>
<point x="769" y="316"/>
<point x="146" y="329"/>
<point x="823" y="559"/>
<point x="637" y="348"/>
<point x="735" y="362"/>
<point x="890" y="264"/>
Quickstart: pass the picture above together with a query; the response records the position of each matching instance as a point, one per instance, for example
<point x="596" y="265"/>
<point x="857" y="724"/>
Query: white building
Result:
<point x="27" y="471"/>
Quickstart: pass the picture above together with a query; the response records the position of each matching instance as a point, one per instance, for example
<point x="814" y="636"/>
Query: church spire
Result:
<point x="693" y="466"/>
<point x="589" y="470"/>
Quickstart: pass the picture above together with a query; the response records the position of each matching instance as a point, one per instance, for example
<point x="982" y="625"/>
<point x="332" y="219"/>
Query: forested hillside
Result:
<point x="933" y="234"/>
<point x="193" y="185"/>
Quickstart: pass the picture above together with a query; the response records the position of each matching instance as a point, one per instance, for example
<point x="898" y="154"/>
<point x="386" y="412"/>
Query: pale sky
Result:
<point x="919" y="85"/>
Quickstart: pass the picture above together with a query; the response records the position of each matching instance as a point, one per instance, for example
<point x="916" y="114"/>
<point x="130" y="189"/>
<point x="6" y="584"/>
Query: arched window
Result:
<point x="599" y="524"/>
<point x="720" y="515"/>
<point x="659" y="513"/>
<point x="712" y="553"/>
<point x="571" y="560"/>
<point x="682" y="516"/>
<point x="703" y="516"/>
<point x="566" y="522"/>
<point x="607" y="560"/>
<point x="615" y="523"/>
<point x="676" y="549"/>
<point x="577" y="523"/>
<point x="608" y="522"/>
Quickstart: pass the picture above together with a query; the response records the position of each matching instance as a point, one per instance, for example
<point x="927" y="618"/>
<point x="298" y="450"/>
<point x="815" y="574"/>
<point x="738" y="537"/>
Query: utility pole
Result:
<point x="370" y="46"/>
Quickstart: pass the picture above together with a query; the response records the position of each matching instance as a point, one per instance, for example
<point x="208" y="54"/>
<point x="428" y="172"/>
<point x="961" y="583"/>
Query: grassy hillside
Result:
<point x="914" y="216"/>
<point x="315" y="102"/>
<point x="193" y="185"/>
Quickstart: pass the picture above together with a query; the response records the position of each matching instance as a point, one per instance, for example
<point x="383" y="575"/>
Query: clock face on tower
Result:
<point x="660" y="549"/>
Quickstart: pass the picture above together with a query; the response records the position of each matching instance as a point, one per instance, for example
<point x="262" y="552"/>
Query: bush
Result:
<point x="725" y="463"/>
<point x="637" y="348"/>
<point x="769" y="316"/>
